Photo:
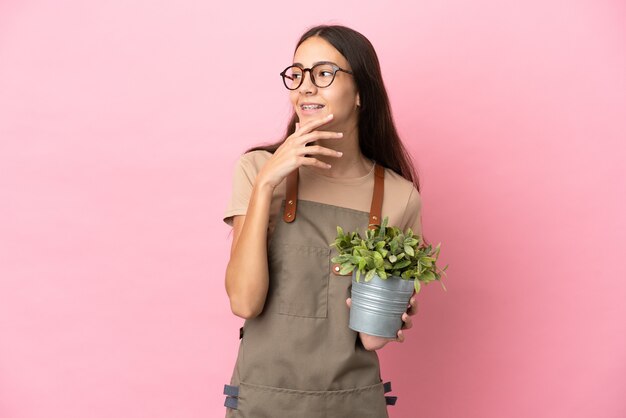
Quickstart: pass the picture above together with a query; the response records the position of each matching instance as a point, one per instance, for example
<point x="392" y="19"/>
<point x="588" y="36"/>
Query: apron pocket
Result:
<point x="300" y="275"/>
<point x="258" y="401"/>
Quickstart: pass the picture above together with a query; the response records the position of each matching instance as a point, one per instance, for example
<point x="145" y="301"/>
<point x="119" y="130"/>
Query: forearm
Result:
<point x="247" y="277"/>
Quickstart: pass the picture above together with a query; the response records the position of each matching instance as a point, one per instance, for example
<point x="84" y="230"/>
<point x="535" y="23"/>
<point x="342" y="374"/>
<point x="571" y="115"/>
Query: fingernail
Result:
<point x="340" y="134"/>
<point x="330" y="116"/>
<point x="339" y="153"/>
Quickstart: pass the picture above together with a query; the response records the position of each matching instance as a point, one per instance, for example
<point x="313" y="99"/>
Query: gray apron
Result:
<point x="298" y="358"/>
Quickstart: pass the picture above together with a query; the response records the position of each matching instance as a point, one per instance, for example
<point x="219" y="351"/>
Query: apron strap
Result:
<point x="232" y="393"/>
<point x="377" y="198"/>
<point x="389" y="400"/>
<point x="231" y="402"/>
<point x="231" y="390"/>
<point x="291" y="196"/>
<point x="387" y="387"/>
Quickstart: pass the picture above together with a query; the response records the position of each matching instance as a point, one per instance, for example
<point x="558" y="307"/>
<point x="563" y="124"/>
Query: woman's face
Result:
<point x="340" y="98"/>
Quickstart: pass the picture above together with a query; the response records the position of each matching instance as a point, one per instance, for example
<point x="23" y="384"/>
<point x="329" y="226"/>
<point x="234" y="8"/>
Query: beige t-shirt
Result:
<point x="401" y="200"/>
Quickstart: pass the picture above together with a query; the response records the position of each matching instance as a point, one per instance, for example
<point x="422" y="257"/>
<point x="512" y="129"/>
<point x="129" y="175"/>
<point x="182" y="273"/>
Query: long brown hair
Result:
<point x="378" y="137"/>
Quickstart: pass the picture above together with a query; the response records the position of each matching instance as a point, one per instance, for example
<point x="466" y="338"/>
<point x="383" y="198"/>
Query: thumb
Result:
<point x="349" y="302"/>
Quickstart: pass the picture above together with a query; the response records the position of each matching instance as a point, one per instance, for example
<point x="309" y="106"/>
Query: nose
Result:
<point x="307" y="84"/>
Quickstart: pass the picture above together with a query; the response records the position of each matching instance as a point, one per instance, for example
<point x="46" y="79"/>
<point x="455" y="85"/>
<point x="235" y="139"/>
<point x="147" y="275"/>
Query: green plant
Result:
<point x="387" y="252"/>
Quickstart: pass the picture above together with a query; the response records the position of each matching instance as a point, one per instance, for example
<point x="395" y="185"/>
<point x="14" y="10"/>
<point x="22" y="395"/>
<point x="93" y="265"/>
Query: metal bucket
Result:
<point x="378" y="305"/>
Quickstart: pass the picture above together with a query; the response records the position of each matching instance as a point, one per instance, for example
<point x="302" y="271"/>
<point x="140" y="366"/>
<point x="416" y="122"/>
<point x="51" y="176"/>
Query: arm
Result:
<point x="414" y="220"/>
<point x="247" y="275"/>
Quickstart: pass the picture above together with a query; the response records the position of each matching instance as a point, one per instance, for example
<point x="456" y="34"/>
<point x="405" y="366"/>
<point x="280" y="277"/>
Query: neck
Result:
<point x="351" y="164"/>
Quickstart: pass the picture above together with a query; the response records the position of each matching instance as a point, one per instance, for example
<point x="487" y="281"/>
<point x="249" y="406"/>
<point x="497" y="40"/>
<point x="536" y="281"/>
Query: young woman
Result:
<point x="341" y="163"/>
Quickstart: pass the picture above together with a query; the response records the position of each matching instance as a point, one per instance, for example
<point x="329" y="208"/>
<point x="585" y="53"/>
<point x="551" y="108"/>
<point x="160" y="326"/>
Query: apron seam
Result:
<point x="314" y="392"/>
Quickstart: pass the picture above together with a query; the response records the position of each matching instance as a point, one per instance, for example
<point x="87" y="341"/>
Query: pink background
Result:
<point x="120" y="123"/>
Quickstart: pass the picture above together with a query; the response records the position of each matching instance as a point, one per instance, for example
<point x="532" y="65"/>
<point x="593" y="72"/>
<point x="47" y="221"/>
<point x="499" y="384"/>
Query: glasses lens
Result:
<point x="323" y="74"/>
<point x="293" y="77"/>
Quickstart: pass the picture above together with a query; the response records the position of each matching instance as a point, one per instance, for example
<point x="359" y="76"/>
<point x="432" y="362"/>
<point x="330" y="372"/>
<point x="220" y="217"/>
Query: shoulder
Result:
<point x="255" y="158"/>
<point x="400" y="188"/>
<point x="252" y="162"/>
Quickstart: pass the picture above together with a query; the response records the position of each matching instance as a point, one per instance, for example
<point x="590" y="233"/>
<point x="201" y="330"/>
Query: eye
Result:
<point x="324" y="72"/>
<point x="294" y="73"/>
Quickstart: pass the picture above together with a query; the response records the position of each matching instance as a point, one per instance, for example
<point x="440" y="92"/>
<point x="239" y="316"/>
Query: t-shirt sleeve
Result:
<point x="413" y="213"/>
<point x="243" y="181"/>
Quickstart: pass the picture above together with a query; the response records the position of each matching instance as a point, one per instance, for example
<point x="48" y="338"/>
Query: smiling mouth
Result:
<point x="311" y="107"/>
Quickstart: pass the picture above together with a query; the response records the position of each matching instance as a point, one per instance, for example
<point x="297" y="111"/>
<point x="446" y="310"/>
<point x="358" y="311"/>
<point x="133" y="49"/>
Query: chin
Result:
<point x="312" y="117"/>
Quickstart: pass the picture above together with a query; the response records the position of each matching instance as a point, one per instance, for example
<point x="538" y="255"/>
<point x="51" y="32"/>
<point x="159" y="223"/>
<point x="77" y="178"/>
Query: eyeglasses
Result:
<point x="322" y="74"/>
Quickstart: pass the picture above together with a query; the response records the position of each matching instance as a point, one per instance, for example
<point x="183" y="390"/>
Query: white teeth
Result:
<point x="311" y="107"/>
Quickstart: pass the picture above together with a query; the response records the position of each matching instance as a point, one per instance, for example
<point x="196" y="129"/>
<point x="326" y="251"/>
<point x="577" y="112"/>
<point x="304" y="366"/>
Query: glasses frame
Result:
<point x="334" y="66"/>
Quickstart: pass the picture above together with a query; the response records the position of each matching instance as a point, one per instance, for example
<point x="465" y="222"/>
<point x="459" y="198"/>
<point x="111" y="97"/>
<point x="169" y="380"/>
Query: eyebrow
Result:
<point x="315" y="63"/>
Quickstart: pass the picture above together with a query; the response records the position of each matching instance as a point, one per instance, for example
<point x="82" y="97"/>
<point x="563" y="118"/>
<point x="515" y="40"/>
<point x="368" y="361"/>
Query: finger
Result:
<point x="400" y="338"/>
<point x="408" y="322"/>
<point x="412" y="310"/>
<point x="314" y="136"/>
<point x="349" y="302"/>
<point x="318" y="149"/>
<point x="316" y="123"/>
<point x="314" y="162"/>
<point x="297" y="126"/>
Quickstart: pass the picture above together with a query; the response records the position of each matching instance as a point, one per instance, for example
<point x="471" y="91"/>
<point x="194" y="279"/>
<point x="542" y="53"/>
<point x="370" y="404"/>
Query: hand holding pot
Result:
<point x="372" y="342"/>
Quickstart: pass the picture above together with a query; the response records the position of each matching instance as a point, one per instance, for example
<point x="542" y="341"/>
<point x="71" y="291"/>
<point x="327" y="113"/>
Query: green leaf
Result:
<point x="402" y="264"/>
<point x="426" y="261"/>
<point x="428" y="276"/>
<point x="362" y="264"/>
<point x="387" y="251"/>
<point x="393" y="245"/>
<point x="346" y="269"/>
<point x="417" y="286"/>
